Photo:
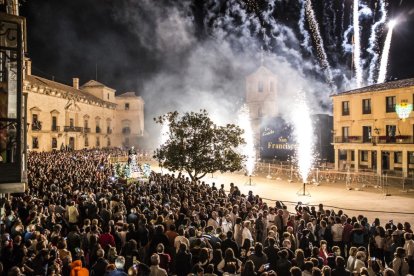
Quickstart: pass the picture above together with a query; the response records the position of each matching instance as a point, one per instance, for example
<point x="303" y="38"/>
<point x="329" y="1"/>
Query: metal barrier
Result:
<point x="326" y="174"/>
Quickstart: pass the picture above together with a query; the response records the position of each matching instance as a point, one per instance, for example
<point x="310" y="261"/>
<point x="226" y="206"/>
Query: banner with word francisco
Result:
<point x="276" y="140"/>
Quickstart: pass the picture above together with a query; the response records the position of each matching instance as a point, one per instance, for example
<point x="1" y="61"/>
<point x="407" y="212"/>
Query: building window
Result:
<point x="411" y="157"/>
<point x="126" y="130"/>
<point x="36" y="125"/>
<point x="71" y="123"/>
<point x="260" y="86"/>
<point x="366" y="106"/>
<point x="54" y="123"/>
<point x="108" y="142"/>
<point x="390" y="104"/>
<point x="126" y="106"/>
<point x="398" y="157"/>
<point x="366" y="134"/>
<point x="345" y="108"/>
<point x="345" y="134"/>
<point x="86" y="126"/>
<point x="260" y="112"/>
<point x="98" y="142"/>
<point x="97" y="127"/>
<point x="86" y="141"/>
<point x="364" y="156"/>
<point x="107" y="96"/>
<point x="390" y="131"/>
<point x="35" y="143"/>
<point x="54" y="143"/>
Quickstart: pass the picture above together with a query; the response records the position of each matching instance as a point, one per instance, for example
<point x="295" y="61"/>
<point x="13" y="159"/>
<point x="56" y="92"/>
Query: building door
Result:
<point x="385" y="160"/>
<point x="374" y="159"/>
<point x="72" y="142"/>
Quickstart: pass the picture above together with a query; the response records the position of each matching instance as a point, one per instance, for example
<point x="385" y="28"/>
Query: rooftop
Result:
<point x="128" y="94"/>
<point x="63" y="87"/>
<point x="380" y="87"/>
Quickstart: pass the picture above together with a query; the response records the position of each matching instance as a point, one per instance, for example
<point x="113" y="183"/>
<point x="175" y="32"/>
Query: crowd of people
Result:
<point x="75" y="219"/>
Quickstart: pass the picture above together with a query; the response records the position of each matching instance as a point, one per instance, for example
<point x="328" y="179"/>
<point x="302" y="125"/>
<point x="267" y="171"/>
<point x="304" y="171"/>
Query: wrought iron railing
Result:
<point x="73" y="129"/>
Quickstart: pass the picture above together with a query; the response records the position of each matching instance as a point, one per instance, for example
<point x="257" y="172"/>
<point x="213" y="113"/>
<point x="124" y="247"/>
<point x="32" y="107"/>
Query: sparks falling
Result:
<point x="314" y="27"/>
<point x="385" y="52"/>
<point x="303" y="132"/>
<point x="248" y="149"/>
<point x="357" y="45"/>
<point x="373" y="42"/>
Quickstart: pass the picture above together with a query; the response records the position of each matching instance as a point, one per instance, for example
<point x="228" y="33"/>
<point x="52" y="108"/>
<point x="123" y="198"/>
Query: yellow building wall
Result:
<point x="110" y="120"/>
<point x="378" y="121"/>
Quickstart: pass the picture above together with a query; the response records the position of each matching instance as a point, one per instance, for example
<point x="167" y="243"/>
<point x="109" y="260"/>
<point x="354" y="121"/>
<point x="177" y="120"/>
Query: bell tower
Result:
<point x="261" y="94"/>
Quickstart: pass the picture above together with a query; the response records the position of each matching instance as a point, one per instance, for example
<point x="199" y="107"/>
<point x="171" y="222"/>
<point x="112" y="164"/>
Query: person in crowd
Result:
<point x="399" y="264"/>
<point x="230" y="263"/>
<point x="155" y="269"/>
<point x="99" y="267"/>
<point x="409" y="250"/>
<point x="183" y="261"/>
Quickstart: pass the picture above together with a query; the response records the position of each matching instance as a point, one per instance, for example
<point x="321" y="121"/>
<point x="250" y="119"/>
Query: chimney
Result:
<point x="28" y="66"/>
<point x="76" y="83"/>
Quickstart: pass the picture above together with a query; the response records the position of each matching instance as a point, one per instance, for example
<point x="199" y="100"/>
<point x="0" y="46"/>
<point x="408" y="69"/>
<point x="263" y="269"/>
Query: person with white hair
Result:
<point x="119" y="265"/>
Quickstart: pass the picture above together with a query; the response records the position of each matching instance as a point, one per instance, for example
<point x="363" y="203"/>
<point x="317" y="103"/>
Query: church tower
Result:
<point x="261" y="94"/>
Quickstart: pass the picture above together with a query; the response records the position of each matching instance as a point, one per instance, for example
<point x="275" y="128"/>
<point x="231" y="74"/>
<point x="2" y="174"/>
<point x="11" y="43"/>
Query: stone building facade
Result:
<point x="261" y="97"/>
<point x="79" y="117"/>
<point x="370" y="134"/>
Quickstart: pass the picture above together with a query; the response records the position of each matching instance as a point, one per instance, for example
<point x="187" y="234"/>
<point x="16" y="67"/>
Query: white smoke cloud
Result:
<point x="209" y="73"/>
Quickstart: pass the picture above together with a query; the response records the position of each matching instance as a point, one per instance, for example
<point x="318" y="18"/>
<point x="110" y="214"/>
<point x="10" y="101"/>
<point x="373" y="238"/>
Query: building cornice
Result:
<point x="59" y="93"/>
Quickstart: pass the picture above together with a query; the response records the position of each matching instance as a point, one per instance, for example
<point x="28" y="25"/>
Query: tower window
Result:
<point x="260" y="86"/>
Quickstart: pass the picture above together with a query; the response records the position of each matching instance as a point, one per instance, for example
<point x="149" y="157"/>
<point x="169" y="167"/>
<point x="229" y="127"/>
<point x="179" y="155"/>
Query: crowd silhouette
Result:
<point x="76" y="219"/>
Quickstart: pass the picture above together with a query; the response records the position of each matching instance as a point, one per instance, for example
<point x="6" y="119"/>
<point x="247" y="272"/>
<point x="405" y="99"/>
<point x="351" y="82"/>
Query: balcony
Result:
<point x="86" y="130"/>
<point x="398" y="139"/>
<point x="348" y="139"/>
<point x="73" y="129"/>
<point x="36" y="126"/>
<point x="55" y="128"/>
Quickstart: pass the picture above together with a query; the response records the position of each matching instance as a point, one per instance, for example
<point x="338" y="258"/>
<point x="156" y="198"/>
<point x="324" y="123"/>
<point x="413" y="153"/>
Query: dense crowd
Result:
<point x="75" y="219"/>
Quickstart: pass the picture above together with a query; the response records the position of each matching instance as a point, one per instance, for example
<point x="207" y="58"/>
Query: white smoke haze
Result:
<point x="204" y="63"/>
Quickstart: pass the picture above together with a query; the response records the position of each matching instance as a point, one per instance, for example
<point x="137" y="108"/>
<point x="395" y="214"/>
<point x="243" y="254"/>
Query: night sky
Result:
<point x="71" y="38"/>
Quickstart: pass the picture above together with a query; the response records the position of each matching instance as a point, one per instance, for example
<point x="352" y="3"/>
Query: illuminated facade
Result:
<point x="79" y="117"/>
<point x="369" y="134"/>
<point x="261" y="95"/>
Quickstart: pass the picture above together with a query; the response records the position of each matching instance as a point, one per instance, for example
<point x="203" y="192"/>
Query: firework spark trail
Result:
<point x="303" y="132"/>
<point x="248" y="149"/>
<point x="306" y="37"/>
<point x="357" y="45"/>
<point x="328" y="22"/>
<point x="343" y="17"/>
<point x="314" y="27"/>
<point x="385" y="53"/>
<point x="373" y="43"/>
